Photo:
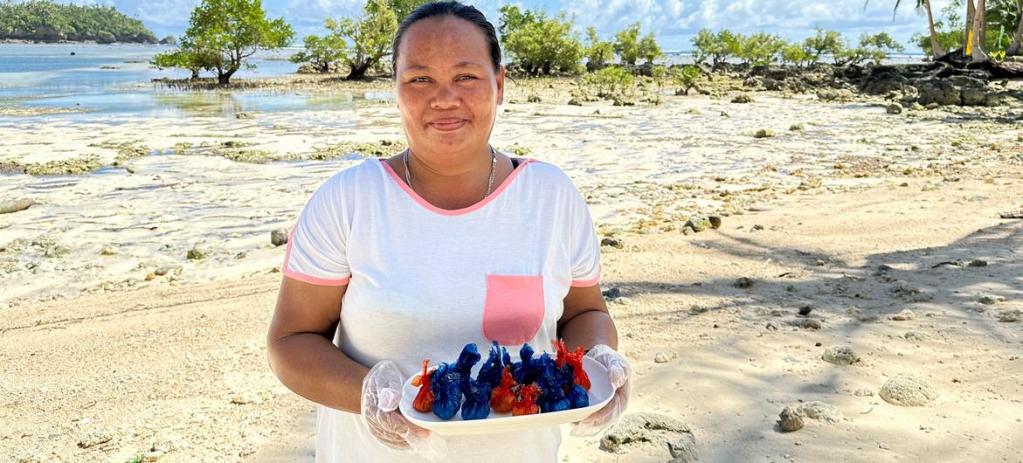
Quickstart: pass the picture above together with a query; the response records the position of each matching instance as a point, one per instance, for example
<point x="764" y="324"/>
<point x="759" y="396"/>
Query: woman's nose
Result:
<point x="446" y="97"/>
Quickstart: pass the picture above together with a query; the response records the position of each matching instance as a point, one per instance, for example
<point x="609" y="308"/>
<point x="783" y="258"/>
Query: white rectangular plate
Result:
<point x="600" y="394"/>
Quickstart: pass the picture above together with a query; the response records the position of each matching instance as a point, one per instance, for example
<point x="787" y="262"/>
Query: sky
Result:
<point x="673" y="22"/>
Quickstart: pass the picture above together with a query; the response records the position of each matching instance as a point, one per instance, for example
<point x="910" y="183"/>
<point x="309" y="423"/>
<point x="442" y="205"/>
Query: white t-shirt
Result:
<point x="423" y="282"/>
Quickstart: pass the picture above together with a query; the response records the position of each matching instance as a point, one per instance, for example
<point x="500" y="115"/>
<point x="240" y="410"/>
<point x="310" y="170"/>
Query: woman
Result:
<point x="448" y="243"/>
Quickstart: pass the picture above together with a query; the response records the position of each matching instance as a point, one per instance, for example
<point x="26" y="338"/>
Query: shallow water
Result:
<point x="115" y="79"/>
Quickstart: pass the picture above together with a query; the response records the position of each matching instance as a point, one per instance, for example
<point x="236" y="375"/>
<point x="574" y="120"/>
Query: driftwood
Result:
<point x="7" y="207"/>
<point x="1005" y="69"/>
<point x="998" y="69"/>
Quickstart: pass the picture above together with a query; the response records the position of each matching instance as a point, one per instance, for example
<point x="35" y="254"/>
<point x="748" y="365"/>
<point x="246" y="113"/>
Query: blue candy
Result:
<point x="524" y="370"/>
<point x="449" y="381"/>
<point x="551" y="382"/>
<point x="491" y="370"/>
<point x="477" y="401"/>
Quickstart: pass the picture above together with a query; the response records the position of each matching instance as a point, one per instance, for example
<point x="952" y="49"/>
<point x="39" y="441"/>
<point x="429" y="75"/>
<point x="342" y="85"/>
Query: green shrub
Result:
<point x="611" y="81"/>
<point x="760" y="48"/>
<point x="794" y="53"/>
<point x="630" y="48"/>
<point x="716" y="47"/>
<point x="823" y="42"/>
<point x="540" y="45"/>
<point x="598" y="52"/>
<point x="321" y="51"/>
<point x="368" y="38"/>
<point x="686" y="78"/>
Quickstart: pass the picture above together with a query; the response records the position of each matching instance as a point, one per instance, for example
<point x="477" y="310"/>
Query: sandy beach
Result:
<point x="846" y="232"/>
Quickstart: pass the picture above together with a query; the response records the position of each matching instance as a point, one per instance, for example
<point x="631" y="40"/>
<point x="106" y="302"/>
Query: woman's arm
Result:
<point x="301" y="350"/>
<point x="585" y="320"/>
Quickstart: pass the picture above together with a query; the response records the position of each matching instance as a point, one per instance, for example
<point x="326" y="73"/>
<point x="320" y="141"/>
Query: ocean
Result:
<point x="115" y="79"/>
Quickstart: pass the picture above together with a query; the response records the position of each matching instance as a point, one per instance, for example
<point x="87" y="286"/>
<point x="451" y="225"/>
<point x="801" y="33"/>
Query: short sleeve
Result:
<point x="584" y="247"/>
<point x="317" y="244"/>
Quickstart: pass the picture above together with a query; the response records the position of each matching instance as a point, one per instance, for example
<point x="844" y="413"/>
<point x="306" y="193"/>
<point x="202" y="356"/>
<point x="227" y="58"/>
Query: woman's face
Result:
<point x="447" y="88"/>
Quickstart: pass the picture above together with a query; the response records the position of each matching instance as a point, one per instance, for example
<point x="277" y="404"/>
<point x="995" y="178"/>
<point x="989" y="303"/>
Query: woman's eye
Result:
<point x="420" y="79"/>
<point x="466" y="77"/>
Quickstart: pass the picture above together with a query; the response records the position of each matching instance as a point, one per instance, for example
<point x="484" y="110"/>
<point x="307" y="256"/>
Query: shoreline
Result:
<point x="72" y="42"/>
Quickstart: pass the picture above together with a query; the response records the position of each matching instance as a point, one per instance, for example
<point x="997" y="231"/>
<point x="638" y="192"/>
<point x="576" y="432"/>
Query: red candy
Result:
<point x="424" y="400"/>
<point x="574" y="359"/>
<point x="525" y="403"/>
<point x="503" y="396"/>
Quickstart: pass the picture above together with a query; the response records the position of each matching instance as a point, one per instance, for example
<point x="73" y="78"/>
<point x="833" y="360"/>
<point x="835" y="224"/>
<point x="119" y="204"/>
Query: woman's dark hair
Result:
<point x="458" y="10"/>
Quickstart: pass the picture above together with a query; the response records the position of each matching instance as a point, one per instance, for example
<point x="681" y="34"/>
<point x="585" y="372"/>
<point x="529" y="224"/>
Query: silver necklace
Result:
<point x="490" y="182"/>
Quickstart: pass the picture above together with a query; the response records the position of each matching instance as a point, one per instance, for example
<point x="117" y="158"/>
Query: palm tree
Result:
<point x="936" y="49"/>
<point x="979" y="26"/>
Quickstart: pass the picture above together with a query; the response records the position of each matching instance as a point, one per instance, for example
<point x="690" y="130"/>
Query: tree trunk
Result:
<point x="358" y="72"/>
<point x="936" y="50"/>
<point x="195" y="74"/>
<point x="224" y="77"/>
<point x="1017" y="47"/>
<point x="967" y="42"/>
<point x="979" y="56"/>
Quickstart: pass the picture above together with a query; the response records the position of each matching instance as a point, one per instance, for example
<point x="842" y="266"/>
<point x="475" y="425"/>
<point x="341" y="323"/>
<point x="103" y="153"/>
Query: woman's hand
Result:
<point x="619" y="374"/>
<point x="381" y="393"/>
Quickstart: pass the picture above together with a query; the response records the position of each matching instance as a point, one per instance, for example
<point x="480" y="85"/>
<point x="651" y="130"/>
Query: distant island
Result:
<point x="46" y="21"/>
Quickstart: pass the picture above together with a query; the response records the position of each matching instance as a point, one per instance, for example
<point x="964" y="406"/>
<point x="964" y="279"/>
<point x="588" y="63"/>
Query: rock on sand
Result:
<point x="654" y="431"/>
<point x="907" y="390"/>
<point x="840" y="355"/>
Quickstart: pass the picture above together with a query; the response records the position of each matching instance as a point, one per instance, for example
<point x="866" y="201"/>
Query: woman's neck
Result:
<point x="454" y="184"/>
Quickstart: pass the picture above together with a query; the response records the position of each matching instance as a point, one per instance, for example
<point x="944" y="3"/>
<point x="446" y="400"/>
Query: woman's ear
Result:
<point x="500" y="84"/>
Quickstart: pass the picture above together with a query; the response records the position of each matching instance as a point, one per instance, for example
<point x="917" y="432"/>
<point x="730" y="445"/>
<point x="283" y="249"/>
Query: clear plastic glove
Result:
<point x="381" y="393"/>
<point x="619" y="374"/>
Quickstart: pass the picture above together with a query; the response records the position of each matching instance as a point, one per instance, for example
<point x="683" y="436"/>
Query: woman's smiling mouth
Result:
<point x="448" y="124"/>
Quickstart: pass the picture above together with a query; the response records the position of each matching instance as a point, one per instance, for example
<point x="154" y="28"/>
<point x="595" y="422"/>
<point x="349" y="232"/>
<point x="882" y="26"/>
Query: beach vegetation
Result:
<point x="610" y="82"/>
<point x="599" y="53"/>
<point x="321" y="52"/>
<point x="715" y="47"/>
<point x="223" y="34"/>
<point x="538" y="44"/>
<point x="1006" y="17"/>
<point x="194" y="60"/>
<point x="360" y="44"/>
<point x="686" y="78"/>
<point x="631" y="48"/>
<point x="47" y="21"/>
<point x="403" y="8"/>
<point x="873" y="48"/>
<point x="368" y="38"/>
<point x="760" y="49"/>
<point x="659" y="74"/>
<point x="795" y="54"/>
<point x="823" y="43"/>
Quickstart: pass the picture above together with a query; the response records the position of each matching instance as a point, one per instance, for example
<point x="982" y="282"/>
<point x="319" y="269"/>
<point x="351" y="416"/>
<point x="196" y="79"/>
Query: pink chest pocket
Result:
<point x="514" y="308"/>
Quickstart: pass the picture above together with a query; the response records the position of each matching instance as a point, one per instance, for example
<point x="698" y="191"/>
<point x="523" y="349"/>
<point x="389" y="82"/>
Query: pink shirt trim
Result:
<point x="288" y="272"/>
<point x="465" y="210"/>
<point x="586" y="283"/>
